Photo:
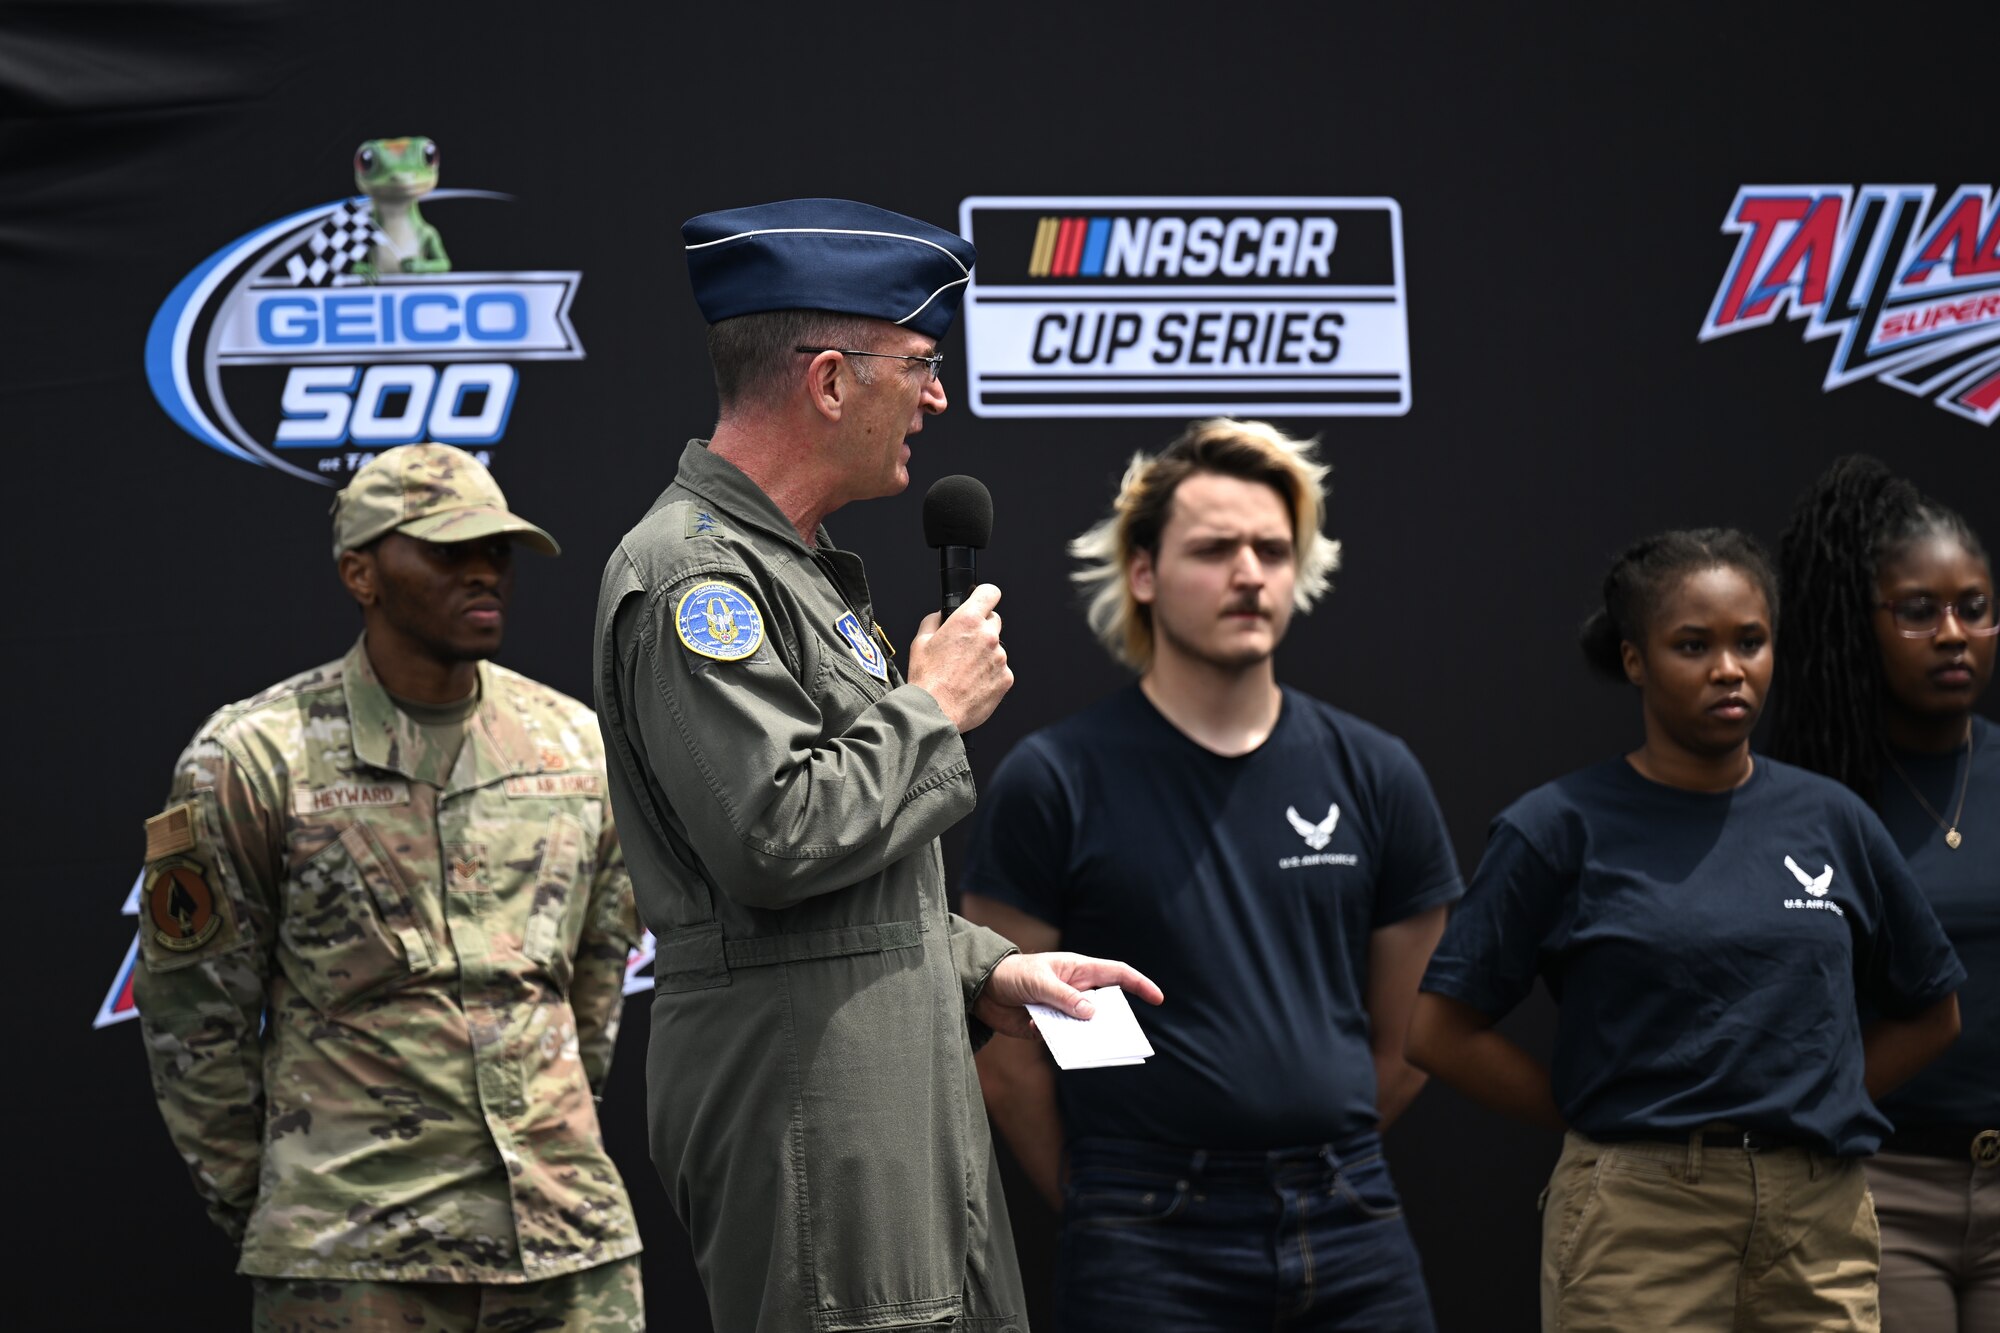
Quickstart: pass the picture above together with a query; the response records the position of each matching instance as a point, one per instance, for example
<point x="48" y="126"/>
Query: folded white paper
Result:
<point x="1110" y="1037"/>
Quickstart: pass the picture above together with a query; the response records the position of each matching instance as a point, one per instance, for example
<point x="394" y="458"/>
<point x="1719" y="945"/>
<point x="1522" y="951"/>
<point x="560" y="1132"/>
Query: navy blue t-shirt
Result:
<point x="1963" y="886"/>
<point x="1246" y="887"/>
<point x="1705" y="949"/>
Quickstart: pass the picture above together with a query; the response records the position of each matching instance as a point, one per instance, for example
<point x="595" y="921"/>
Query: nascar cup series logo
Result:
<point x="1910" y="292"/>
<point x="317" y="340"/>
<point x="1178" y="307"/>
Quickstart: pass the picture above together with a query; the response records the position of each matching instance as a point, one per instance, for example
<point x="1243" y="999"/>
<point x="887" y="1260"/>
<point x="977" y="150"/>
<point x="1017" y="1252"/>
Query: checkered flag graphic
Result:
<point x="335" y="247"/>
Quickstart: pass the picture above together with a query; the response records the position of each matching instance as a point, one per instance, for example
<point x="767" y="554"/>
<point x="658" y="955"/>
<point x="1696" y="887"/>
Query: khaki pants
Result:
<point x="605" y="1299"/>
<point x="1940" y="1243"/>
<point x="1669" y="1235"/>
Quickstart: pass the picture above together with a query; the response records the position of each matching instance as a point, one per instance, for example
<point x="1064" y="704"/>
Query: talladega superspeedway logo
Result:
<point x="1912" y="293"/>
<point x="317" y="340"/>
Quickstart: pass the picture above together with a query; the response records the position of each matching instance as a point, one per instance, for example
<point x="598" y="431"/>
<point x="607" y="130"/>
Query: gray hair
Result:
<point x="753" y="354"/>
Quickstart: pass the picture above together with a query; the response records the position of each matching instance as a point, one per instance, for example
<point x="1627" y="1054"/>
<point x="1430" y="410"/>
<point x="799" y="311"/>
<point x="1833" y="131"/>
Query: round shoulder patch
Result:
<point x="180" y="905"/>
<point x="719" y="620"/>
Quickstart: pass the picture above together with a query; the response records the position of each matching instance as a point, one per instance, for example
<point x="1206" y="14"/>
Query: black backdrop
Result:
<point x="1562" y="179"/>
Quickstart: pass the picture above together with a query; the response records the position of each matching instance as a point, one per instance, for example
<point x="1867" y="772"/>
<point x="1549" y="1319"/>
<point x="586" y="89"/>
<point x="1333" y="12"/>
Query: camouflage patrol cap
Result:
<point x="431" y="491"/>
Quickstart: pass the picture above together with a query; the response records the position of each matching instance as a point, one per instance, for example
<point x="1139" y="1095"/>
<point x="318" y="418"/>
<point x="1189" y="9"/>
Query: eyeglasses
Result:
<point x="933" y="361"/>
<point x="1921" y="617"/>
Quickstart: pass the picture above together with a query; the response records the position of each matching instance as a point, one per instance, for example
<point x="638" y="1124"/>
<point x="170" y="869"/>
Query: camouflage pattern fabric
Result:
<point x="432" y="492"/>
<point x="378" y="995"/>
<point x="605" y="1299"/>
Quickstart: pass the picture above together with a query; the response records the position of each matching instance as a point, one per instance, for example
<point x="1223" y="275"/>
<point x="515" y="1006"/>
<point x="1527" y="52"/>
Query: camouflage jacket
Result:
<point x="377" y="994"/>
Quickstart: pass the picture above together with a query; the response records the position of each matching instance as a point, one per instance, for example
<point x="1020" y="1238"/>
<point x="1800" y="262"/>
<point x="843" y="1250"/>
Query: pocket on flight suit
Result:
<point x="882" y="1170"/>
<point x="545" y="936"/>
<point x="349" y="927"/>
<point x="843" y="692"/>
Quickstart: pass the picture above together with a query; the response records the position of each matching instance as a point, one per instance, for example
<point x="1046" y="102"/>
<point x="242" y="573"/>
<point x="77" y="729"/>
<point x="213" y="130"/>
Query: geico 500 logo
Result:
<point x="1173" y="307"/>
<point x="313" y="342"/>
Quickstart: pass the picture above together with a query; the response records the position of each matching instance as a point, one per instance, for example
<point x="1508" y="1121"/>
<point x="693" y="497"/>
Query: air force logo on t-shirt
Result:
<point x="1317" y="836"/>
<point x="1816" y="885"/>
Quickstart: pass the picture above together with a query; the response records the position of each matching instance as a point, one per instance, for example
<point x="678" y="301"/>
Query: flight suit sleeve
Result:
<point x="975" y="952"/>
<point x="597" y="991"/>
<point x="214" y="859"/>
<point x="781" y="801"/>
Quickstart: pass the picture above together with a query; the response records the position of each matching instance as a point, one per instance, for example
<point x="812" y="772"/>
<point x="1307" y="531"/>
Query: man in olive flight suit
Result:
<point x="813" y="1103"/>
<point x="384" y="931"/>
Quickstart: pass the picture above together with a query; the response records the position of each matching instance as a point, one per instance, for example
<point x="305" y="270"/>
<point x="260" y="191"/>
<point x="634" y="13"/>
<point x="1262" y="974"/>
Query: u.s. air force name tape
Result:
<point x="719" y="620"/>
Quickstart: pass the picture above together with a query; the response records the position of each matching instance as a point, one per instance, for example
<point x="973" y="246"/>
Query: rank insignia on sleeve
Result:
<point x="866" y="650"/>
<point x="181" y="911"/>
<point x="172" y="830"/>
<point x="720" y="621"/>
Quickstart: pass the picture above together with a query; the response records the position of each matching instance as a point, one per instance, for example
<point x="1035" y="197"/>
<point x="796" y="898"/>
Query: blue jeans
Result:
<point x="1181" y="1240"/>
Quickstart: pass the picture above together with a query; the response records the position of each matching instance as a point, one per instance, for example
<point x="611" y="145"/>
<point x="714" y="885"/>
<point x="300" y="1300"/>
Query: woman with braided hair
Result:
<point x="1889" y="645"/>
<point x="1709" y="923"/>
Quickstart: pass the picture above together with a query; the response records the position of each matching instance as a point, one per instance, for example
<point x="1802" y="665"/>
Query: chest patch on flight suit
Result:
<point x="180" y="905"/>
<point x="718" y="620"/>
<point x="866" y="650"/>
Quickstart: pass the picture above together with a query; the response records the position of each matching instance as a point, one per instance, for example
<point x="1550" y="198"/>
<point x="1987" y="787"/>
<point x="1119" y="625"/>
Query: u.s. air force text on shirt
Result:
<point x="1707" y="950"/>
<point x="1250" y="886"/>
<point x="379" y="1059"/>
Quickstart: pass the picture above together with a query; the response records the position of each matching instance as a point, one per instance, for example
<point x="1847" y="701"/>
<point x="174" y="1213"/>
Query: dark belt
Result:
<point x="1955" y="1143"/>
<point x="1744" y="1140"/>
<point x="1719" y="1135"/>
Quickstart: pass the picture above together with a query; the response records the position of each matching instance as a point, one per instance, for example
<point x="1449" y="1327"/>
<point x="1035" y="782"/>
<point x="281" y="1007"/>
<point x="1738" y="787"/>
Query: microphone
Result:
<point x="958" y="520"/>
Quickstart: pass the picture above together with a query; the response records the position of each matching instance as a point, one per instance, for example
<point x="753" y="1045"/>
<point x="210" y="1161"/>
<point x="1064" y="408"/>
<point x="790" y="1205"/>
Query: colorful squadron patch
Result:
<point x="866" y="650"/>
<point x="719" y="621"/>
<point x="180" y="907"/>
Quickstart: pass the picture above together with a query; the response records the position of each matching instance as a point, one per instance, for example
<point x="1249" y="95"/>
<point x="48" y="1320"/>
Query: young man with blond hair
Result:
<point x="1277" y="865"/>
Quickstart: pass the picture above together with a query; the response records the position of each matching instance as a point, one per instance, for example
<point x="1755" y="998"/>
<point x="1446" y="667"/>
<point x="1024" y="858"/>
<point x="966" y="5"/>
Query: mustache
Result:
<point x="1248" y="605"/>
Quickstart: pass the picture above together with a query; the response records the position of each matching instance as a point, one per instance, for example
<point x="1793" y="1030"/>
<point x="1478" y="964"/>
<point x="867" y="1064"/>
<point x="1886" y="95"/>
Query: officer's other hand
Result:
<point x="960" y="661"/>
<point x="1054" y="979"/>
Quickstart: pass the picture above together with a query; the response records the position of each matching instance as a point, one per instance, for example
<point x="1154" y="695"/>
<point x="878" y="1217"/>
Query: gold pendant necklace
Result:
<point x="1952" y="837"/>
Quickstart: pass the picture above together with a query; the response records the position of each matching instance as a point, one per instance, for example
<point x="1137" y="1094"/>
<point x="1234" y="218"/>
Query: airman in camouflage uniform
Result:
<point x="384" y="947"/>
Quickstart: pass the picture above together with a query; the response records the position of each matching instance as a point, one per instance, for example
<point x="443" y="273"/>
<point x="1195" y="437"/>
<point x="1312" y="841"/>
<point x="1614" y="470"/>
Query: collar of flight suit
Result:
<point x="727" y="487"/>
<point x="496" y="744"/>
<point x="730" y="491"/>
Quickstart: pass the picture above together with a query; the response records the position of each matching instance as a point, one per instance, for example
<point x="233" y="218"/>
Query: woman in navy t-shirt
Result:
<point x="1704" y="919"/>
<point x="1890" y="643"/>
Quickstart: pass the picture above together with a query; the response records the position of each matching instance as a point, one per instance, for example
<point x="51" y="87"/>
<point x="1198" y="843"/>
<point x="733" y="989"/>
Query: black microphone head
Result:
<point x="958" y="511"/>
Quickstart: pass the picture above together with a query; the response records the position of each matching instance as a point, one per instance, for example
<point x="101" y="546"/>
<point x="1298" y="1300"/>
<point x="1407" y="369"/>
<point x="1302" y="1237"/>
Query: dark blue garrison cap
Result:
<point x="827" y="254"/>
